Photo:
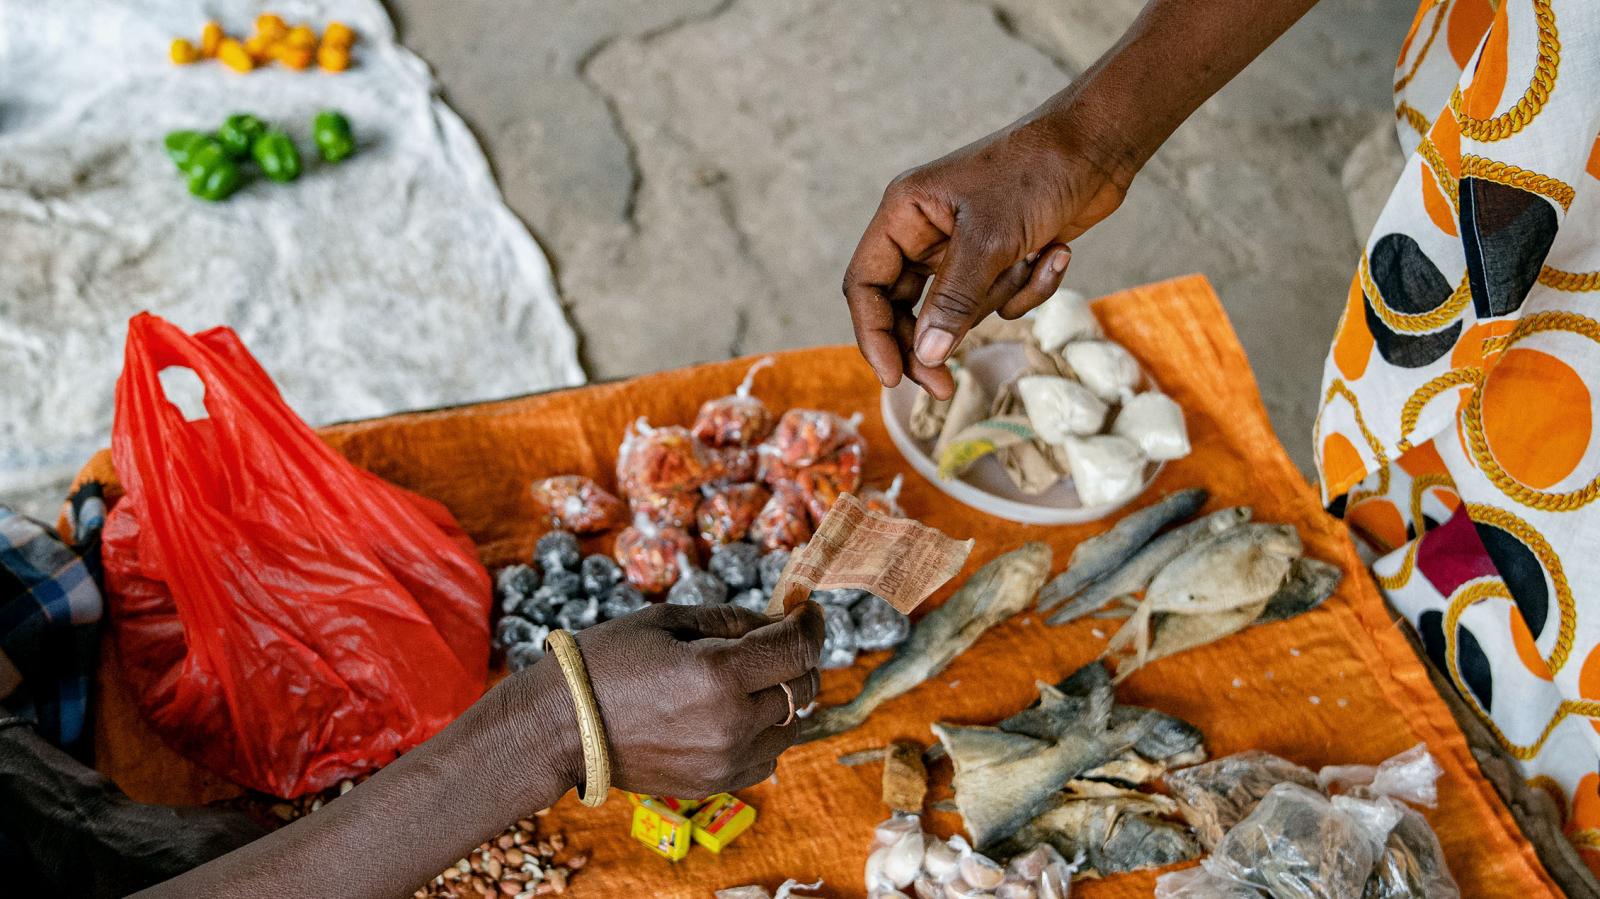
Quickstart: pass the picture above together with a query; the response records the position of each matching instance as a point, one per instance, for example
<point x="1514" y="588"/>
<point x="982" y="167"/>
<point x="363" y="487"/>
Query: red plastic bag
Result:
<point x="283" y="617"/>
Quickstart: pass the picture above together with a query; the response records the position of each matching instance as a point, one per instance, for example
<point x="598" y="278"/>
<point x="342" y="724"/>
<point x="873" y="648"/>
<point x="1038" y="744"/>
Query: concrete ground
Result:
<point x="700" y="170"/>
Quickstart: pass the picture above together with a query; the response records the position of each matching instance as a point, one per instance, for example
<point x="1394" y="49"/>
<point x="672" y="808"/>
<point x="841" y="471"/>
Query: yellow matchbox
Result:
<point x="666" y="832"/>
<point x="684" y="807"/>
<point x="721" y="820"/>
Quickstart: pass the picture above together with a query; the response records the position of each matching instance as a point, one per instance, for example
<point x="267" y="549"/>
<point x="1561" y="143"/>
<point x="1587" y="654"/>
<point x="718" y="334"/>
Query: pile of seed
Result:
<point x="516" y="863"/>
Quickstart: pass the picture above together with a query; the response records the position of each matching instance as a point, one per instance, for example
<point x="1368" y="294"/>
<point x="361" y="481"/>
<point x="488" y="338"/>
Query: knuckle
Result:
<point x="954" y="301"/>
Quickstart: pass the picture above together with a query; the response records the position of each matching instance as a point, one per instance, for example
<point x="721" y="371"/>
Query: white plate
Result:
<point x="985" y="486"/>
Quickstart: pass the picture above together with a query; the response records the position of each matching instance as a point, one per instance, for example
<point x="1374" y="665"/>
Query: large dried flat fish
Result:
<point x="1004" y="779"/>
<point x="1103" y="553"/>
<point x="1223" y="576"/>
<point x="997" y="591"/>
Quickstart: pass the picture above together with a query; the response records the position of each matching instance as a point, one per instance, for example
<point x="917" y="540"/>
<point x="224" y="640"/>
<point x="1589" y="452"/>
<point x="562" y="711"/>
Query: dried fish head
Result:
<point x="1311" y="581"/>
<point x="1003" y="779"/>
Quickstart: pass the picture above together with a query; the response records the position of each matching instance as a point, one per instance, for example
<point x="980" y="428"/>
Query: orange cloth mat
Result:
<point x="1337" y="685"/>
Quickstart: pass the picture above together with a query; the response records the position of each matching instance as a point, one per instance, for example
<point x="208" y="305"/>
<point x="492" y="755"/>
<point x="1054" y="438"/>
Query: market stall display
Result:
<point x="1350" y="689"/>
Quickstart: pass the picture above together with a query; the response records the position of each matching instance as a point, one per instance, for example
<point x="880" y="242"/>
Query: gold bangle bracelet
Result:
<point x="596" y="761"/>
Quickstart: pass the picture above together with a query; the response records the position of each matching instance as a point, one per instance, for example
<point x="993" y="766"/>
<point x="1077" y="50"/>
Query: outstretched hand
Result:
<point x="990" y="225"/>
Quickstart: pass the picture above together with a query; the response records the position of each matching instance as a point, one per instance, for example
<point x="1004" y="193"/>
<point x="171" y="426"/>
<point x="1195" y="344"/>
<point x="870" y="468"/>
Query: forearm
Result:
<point x="1174" y="57"/>
<point x="511" y="753"/>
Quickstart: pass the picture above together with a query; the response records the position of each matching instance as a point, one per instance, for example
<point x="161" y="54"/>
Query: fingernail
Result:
<point x="1059" y="259"/>
<point x="934" y="346"/>
<point x="1032" y="257"/>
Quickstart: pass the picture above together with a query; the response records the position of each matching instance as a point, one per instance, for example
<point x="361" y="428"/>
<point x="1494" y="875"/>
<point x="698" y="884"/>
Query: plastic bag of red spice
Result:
<point x="734" y="464"/>
<point x="648" y="554"/>
<point x="726" y="513"/>
<point x="739" y="420"/>
<point x="668" y="509"/>
<point x="660" y="460"/>
<point x="806" y="436"/>
<point x="783" y="522"/>
<point x="575" y="503"/>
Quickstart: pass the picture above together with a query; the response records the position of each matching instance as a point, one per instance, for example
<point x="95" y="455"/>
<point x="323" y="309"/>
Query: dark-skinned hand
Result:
<point x="690" y="695"/>
<point x="989" y="224"/>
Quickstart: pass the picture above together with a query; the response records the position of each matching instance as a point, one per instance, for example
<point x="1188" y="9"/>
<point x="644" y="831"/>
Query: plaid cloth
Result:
<point x="49" y="614"/>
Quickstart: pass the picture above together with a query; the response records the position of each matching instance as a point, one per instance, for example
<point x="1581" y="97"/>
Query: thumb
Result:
<point x="958" y="297"/>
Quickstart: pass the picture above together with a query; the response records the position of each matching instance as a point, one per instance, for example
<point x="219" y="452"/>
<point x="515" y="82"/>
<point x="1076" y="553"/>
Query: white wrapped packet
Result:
<point x="1063" y="318"/>
<point x="1105" y="469"/>
<point x="1155" y="422"/>
<point x="1058" y="408"/>
<point x="1103" y="367"/>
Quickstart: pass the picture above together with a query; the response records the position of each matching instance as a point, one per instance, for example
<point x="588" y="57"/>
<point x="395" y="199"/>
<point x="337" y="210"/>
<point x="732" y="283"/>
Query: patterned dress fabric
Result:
<point x="1458" y="429"/>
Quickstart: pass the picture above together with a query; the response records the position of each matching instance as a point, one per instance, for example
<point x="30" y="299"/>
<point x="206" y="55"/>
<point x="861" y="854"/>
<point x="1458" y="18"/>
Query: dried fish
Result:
<point x="1103" y="553"/>
<point x="1411" y="863"/>
<point x="997" y="591"/>
<point x="1310" y="582"/>
<point x="1112" y="835"/>
<point x="1229" y="572"/>
<point x="1137" y="573"/>
<point x="1004" y="779"/>
<point x="905" y="778"/>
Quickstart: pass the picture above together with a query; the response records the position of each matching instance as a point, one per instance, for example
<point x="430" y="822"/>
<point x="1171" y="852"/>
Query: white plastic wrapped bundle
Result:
<point x="1059" y="408"/>
<point x="1063" y="318"/>
<point x="1105" y="468"/>
<point x="1104" y="367"/>
<point x="1154" y="421"/>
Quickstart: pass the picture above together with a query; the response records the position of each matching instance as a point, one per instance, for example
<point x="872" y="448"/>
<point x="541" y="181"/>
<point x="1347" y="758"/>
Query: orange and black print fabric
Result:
<point x="1458" y="429"/>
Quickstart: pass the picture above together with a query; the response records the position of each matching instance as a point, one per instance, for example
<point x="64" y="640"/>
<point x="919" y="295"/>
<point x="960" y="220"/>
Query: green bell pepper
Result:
<point x="275" y="152"/>
<point x="239" y="132"/>
<point x="183" y="145"/>
<point x="331" y="131"/>
<point x="212" y="174"/>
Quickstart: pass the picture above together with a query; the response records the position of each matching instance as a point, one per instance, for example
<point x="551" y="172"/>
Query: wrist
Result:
<point x="545" y="722"/>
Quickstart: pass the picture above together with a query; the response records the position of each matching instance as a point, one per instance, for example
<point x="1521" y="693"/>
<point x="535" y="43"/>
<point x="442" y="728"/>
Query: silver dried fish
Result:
<point x="1103" y="553"/>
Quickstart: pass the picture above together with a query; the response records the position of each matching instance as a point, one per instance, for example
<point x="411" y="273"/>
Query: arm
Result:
<point x="990" y="222"/>
<point x="516" y="750"/>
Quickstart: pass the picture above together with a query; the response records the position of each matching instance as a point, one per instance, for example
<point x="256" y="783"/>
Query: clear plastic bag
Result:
<point x="726" y="513"/>
<point x="660" y="460"/>
<point x="1215" y="796"/>
<point x="790" y="889"/>
<point x="648" y="554"/>
<point x="1411" y="776"/>
<point x="1198" y="883"/>
<point x="1296" y="845"/>
<point x="575" y="503"/>
<point x="1411" y="862"/>
<point x="738" y="420"/>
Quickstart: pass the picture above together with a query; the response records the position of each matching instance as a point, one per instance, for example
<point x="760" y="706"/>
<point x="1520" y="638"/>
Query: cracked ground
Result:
<point x="699" y="170"/>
